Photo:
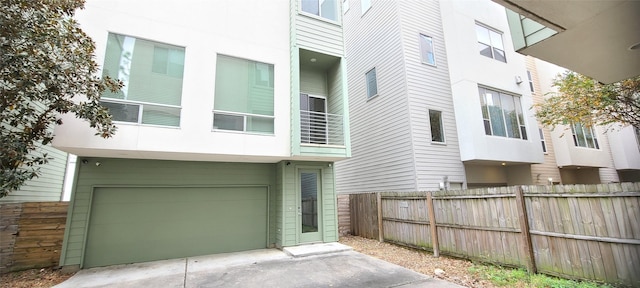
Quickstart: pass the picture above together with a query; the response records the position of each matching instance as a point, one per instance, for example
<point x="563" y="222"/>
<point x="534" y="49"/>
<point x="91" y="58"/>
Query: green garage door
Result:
<point x="130" y="225"/>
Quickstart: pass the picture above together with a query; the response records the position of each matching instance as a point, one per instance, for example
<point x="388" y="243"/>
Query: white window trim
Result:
<point x="444" y="135"/>
<point x="524" y="116"/>
<point x="244" y="122"/>
<point x="544" y="141"/>
<point x="596" y="143"/>
<point x="318" y="17"/>
<point x="433" y="48"/>
<point x="141" y="111"/>
<point x="491" y="44"/>
<point x="366" y="84"/>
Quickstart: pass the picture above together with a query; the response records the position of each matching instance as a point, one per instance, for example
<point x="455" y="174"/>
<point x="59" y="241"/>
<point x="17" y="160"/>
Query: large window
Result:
<point x="372" y="83"/>
<point x="243" y="96"/>
<point x="437" y="131"/>
<point x="151" y="74"/>
<point x="502" y="114"/>
<point x="426" y="50"/>
<point x="324" y="8"/>
<point x="490" y="43"/>
<point x="584" y="136"/>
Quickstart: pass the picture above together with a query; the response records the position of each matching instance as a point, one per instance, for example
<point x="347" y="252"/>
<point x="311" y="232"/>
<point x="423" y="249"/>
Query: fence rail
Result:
<point x="574" y="231"/>
<point x="31" y="234"/>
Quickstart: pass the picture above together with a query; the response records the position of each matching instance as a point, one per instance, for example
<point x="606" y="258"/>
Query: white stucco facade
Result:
<point x="224" y="27"/>
<point x="469" y="70"/>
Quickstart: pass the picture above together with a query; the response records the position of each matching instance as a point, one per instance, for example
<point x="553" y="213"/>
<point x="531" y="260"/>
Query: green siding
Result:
<point x="316" y="34"/>
<point x="130" y="172"/>
<point x="290" y="183"/>
<point x="49" y="185"/>
<point x="313" y="82"/>
<point x="136" y="224"/>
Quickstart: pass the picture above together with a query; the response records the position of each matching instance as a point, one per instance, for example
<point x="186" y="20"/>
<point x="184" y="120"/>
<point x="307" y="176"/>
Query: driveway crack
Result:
<point x="186" y="266"/>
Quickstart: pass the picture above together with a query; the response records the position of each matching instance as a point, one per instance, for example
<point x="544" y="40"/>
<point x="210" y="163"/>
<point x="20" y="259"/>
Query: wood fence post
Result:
<point x="379" y="202"/>
<point x="524" y="230"/>
<point x="432" y="225"/>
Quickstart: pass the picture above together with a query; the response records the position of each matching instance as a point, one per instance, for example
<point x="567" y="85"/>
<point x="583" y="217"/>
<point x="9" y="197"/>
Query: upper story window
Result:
<point x="502" y="114"/>
<point x="243" y="96"/>
<point x="543" y="141"/>
<point x="372" y="83"/>
<point x="324" y="8"/>
<point x="426" y="50"/>
<point x="584" y="136"/>
<point x="437" y="130"/>
<point x="365" y="5"/>
<point x="490" y="43"/>
<point x="530" y="81"/>
<point x="152" y="76"/>
<point x="637" y="131"/>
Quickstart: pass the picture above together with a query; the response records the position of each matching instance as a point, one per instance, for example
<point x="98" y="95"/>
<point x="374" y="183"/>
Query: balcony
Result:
<point x="319" y="128"/>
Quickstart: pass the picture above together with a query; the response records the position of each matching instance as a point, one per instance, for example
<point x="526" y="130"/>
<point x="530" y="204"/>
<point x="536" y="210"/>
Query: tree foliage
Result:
<point x="581" y="99"/>
<point x="47" y="68"/>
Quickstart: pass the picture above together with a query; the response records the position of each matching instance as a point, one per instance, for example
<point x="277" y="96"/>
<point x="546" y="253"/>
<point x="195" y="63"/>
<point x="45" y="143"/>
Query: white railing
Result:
<point x="321" y="128"/>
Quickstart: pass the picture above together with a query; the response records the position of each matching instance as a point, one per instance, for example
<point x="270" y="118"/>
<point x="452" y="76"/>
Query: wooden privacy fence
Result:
<point x="31" y="234"/>
<point x="573" y="231"/>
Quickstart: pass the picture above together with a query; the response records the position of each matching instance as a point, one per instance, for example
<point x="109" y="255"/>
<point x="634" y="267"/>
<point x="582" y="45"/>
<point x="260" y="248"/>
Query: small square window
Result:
<point x="372" y="83"/>
<point x="426" y="50"/>
<point x="437" y="130"/>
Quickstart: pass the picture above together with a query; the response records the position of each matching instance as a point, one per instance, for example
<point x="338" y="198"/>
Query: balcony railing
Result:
<point x="321" y="128"/>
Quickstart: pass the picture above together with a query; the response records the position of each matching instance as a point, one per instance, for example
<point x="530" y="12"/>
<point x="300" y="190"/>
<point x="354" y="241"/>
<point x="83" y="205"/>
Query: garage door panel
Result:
<point x="164" y="223"/>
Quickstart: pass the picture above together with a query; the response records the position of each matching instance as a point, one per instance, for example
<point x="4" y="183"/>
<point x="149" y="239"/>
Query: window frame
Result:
<point x="245" y="116"/>
<point x="545" y="149"/>
<point x="422" y="52"/>
<point x="141" y="104"/>
<point x="366" y="82"/>
<point x="319" y="16"/>
<point x="491" y="44"/>
<point x="530" y="78"/>
<point x="591" y="130"/>
<point x="517" y="108"/>
<point x="442" y="132"/>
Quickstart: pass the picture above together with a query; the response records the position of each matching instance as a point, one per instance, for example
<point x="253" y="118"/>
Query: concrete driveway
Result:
<point x="259" y="268"/>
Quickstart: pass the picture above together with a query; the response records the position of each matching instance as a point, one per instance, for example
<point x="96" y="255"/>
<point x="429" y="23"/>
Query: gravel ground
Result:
<point x="455" y="270"/>
<point x="46" y="277"/>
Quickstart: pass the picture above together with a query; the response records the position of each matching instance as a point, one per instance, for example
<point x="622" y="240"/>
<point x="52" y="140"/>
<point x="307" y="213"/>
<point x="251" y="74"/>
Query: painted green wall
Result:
<point x="132" y="172"/>
<point x="280" y="178"/>
<point x="290" y="229"/>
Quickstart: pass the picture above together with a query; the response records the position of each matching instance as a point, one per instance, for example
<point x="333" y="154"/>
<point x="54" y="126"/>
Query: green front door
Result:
<point x="134" y="224"/>
<point x="309" y="209"/>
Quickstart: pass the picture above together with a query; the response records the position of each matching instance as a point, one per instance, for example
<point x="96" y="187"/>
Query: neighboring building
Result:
<point x="49" y="186"/>
<point x="499" y="138"/>
<point x="443" y="114"/>
<point x="582" y="154"/>
<point x="229" y="122"/>
<point x="441" y="100"/>
<point x="403" y="133"/>
<point x="625" y="148"/>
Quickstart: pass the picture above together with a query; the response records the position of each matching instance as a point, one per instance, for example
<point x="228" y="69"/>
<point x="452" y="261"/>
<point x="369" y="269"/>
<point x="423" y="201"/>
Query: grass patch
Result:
<point x="502" y="276"/>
